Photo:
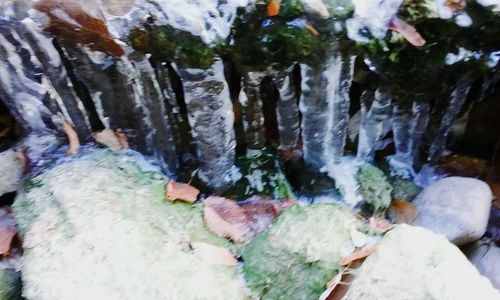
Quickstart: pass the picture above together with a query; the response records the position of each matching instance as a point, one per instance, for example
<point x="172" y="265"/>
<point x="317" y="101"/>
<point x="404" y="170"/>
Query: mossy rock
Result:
<point x="98" y="227"/>
<point x="404" y="189"/>
<point x="374" y="187"/>
<point x="299" y="253"/>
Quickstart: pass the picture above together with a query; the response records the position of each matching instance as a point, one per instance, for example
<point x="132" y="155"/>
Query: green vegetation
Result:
<point x="374" y="187"/>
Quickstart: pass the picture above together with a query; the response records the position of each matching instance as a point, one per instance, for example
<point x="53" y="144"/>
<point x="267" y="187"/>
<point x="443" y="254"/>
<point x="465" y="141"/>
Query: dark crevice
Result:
<point x="80" y="89"/>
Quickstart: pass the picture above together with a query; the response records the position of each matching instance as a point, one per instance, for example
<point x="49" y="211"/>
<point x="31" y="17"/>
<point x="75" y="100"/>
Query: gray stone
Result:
<point x="413" y="263"/>
<point x="10" y="171"/>
<point x="98" y="227"/>
<point x="486" y="258"/>
<point x="457" y="207"/>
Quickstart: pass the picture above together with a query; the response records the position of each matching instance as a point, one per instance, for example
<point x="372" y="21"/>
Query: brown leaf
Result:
<point x="74" y="142"/>
<point x="213" y="254"/>
<point x="225" y="218"/>
<point x="7" y="233"/>
<point x="407" y="31"/>
<point x="116" y="141"/>
<point x="379" y="225"/>
<point x="80" y="22"/>
<point x="404" y="211"/>
<point x="358" y="254"/>
<point x="181" y="191"/>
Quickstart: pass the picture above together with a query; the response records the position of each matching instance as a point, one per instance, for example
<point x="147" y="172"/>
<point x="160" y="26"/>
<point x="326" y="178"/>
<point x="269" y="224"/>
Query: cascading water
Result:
<point x="253" y="115"/>
<point x="287" y="111"/>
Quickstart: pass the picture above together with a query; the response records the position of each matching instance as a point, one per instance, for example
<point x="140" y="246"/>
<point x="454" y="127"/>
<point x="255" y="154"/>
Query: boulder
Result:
<point x="457" y="207"/>
<point x="415" y="263"/>
<point x="10" y="171"/>
<point x="98" y="227"/>
<point x="299" y="253"/>
<point x="486" y="258"/>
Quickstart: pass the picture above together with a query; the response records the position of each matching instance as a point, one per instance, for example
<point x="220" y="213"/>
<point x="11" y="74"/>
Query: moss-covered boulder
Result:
<point x="98" y="227"/>
<point x="299" y="253"/>
<point x="404" y="189"/>
<point x="374" y="187"/>
<point x="10" y="285"/>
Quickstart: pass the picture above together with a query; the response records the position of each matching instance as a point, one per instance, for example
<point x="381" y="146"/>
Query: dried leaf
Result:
<point x="273" y="8"/>
<point x="407" y="31"/>
<point x="80" y="22"/>
<point x="404" y="211"/>
<point x="7" y="231"/>
<point x="23" y="158"/>
<point x="213" y="254"/>
<point x="74" y="142"/>
<point x="181" y="191"/>
<point x="379" y="225"/>
<point x="359" y="239"/>
<point x="311" y="29"/>
<point x="122" y="138"/>
<point x="358" y="254"/>
<point x="225" y="218"/>
<point x="110" y="139"/>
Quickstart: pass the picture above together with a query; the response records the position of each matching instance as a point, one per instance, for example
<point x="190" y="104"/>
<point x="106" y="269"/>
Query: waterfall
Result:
<point x="211" y="118"/>
<point x="375" y="112"/>
<point x="253" y="116"/>
<point x="455" y="104"/>
<point x="287" y="110"/>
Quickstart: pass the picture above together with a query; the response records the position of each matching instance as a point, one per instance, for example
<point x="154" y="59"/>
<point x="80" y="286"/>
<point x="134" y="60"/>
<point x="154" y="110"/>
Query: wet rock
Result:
<point x="457" y="207"/>
<point x="300" y="252"/>
<point x="414" y="263"/>
<point x="485" y="257"/>
<point x="404" y="189"/>
<point x="10" y="171"/>
<point x="374" y="187"/>
<point x="10" y="285"/>
<point x="98" y="227"/>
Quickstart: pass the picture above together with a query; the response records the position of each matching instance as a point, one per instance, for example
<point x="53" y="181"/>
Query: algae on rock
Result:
<point x="374" y="187"/>
<point x="98" y="228"/>
<point x="299" y="253"/>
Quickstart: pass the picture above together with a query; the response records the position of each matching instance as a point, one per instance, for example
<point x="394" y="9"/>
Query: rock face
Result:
<point x="414" y="263"/>
<point x="486" y="258"/>
<point x="10" y="171"/>
<point x="457" y="207"/>
<point x="99" y="228"/>
<point x="299" y="253"/>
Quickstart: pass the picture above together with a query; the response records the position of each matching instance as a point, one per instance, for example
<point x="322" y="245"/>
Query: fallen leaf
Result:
<point x="407" y="31"/>
<point x="273" y="8"/>
<point x="214" y="255"/>
<point x="225" y="218"/>
<point x="80" y="22"/>
<point x="455" y="5"/>
<point x="74" y="142"/>
<point x="358" y="254"/>
<point x="7" y="232"/>
<point x="358" y="238"/>
<point x="181" y="191"/>
<point x="111" y="139"/>
<point x="403" y="211"/>
<point x="337" y="287"/>
<point x="379" y="225"/>
<point x="311" y="29"/>
<point x="24" y="160"/>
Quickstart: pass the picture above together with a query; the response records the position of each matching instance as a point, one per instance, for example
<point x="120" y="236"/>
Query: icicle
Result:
<point x="375" y="110"/>
<point x="455" y="104"/>
<point x="251" y="103"/>
<point x="338" y="109"/>
<point x="287" y="111"/>
<point x="23" y="87"/>
<point x="409" y="123"/>
<point x="163" y="137"/>
<point x="211" y="118"/>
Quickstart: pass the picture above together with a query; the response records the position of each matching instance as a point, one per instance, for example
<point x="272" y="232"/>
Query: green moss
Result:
<point x="404" y="189"/>
<point x="168" y="44"/>
<point x="10" y="285"/>
<point x="374" y="187"/>
<point x="299" y="253"/>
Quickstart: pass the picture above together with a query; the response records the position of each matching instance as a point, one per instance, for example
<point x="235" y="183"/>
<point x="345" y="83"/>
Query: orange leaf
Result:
<point x="379" y="225"/>
<point x="74" y="143"/>
<point x="404" y="211"/>
<point x="80" y="22"/>
<point x="181" y="191"/>
<point x="311" y="29"/>
<point x="273" y="8"/>
<point x="359" y="254"/>
<point x="7" y="233"/>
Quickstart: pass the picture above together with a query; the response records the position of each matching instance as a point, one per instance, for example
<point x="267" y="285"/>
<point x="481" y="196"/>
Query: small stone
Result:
<point x="486" y="258"/>
<point x="457" y="207"/>
<point x="11" y="170"/>
<point x="414" y="263"/>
